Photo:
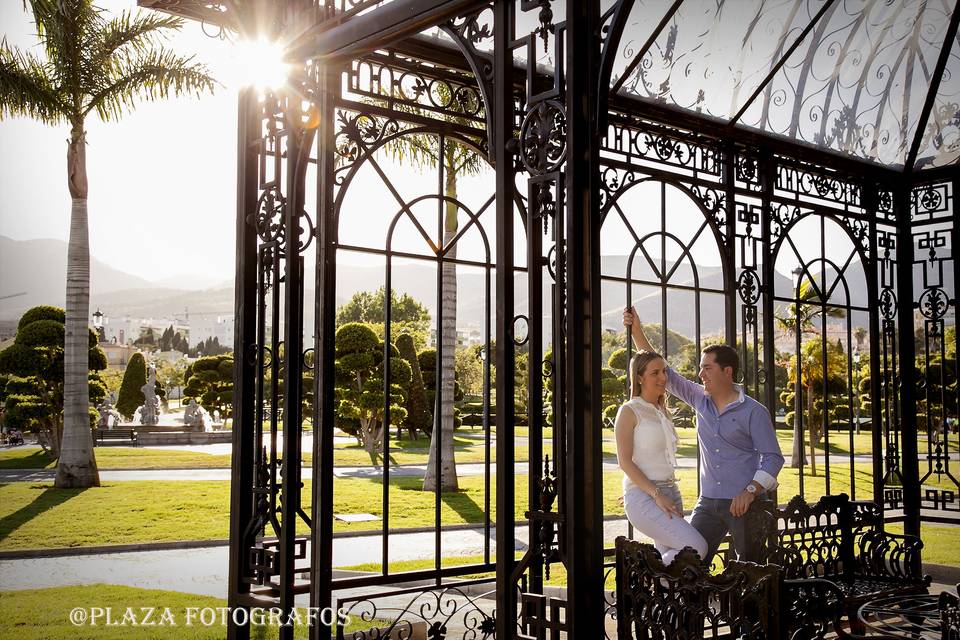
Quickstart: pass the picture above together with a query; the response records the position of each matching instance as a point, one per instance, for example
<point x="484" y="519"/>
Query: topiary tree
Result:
<point x="359" y="389"/>
<point x="32" y="378"/>
<point x="613" y="384"/>
<point x="306" y="384"/>
<point x="419" y="416"/>
<point x="134" y="377"/>
<point x="209" y="381"/>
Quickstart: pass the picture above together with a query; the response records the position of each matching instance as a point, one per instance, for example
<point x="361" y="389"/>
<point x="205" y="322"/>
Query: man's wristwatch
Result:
<point x="752" y="488"/>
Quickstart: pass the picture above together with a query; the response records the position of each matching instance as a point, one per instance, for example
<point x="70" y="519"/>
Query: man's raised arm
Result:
<point x="689" y="392"/>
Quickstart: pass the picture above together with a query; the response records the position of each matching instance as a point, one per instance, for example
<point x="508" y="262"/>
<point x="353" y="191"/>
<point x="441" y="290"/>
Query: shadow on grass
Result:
<point x="465" y="506"/>
<point x="37" y="459"/>
<point x="687" y="450"/>
<point x="44" y="501"/>
<point x="460" y="501"/>
<point x="422" y="443"/>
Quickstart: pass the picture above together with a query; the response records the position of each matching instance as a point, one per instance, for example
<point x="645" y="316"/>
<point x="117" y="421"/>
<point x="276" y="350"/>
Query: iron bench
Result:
<point x="103" y="437"/>
<point x="949" y="606"/>
<point x="747" y="601"/>
<point x="843" y="541"/>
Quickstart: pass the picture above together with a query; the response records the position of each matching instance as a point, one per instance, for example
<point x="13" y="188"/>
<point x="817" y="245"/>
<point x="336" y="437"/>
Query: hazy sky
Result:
<point x="162" y="179"/>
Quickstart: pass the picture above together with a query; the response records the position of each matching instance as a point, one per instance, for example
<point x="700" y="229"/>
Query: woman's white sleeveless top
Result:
<point x="654" y="441"/>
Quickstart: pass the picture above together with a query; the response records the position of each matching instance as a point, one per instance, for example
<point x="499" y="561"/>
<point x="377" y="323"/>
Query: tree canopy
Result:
<point x="31" y="375"/>
<point x="359" y="390"/>
<point x="131" y="395"/>
<point x="209" y="381"/>
<point x="406" y="312"/>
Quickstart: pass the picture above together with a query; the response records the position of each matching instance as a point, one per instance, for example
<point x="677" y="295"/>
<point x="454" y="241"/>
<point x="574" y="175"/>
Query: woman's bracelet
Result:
<point x="656" y="492"/>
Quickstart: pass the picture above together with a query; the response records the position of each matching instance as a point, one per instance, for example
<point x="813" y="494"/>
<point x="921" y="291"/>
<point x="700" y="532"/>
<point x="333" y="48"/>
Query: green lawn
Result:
<point x="120" y="458"/>
<point x="117" y="458"/>
<point x="44" y="614"/>
<point x="558" y="573"/>
<point x="38" y="516"/>
<point x="402" y="451"/>
<point x="941" y="544"/>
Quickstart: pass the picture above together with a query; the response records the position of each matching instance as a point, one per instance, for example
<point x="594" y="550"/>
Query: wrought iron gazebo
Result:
<point x="714" y="146"/>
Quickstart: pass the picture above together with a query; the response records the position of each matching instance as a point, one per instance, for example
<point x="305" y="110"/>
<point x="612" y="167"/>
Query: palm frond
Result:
<point x="422" y="151"/>
<point x="26" y="88"/>
<point x="65" y="29"/>
<point x="148" y="76"/>
<point x="127" y="32"/>
<point x="419" y="150"/>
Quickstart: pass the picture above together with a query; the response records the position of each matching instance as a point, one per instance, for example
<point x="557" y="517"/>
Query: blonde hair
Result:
<point x="638" y="364"/>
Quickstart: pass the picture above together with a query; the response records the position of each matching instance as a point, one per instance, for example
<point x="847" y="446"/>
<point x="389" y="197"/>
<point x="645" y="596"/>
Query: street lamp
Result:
<point x="98" y="325"/>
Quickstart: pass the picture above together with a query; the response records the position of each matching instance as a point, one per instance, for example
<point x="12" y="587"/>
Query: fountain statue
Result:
<point x="108" y="415"/>
<point x="150" y="410"/>
<point x="196" y="416"/>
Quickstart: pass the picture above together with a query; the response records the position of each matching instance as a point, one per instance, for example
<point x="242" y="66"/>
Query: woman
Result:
<point x="646" y="452"/>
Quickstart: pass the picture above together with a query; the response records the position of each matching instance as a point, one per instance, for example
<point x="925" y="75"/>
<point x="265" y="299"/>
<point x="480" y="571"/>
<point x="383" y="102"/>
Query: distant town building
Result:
<point x="204" y="327"/>
<point x="465" y="337"/>
<point x="127" y="330"/>
<point x="117" y="354"/>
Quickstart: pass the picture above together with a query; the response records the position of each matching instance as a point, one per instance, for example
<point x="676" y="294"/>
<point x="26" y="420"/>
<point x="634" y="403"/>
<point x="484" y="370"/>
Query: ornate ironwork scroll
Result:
<point x="540" y="149"/>
<point x="461" y="611"/>
<point x="933" y="219"/>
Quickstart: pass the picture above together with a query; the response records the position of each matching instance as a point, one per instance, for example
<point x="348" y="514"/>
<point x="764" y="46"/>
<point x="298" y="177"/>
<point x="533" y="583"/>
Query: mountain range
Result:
<point x="37" y="268"/>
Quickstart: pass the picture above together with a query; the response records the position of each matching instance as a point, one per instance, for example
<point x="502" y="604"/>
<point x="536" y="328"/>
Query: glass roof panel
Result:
<point x="940" y="144"/>
<point x="713" y="55"/>
<point x="858" y="81"/>
<point x="855" y="83"/>
<point x="643" y="19"/>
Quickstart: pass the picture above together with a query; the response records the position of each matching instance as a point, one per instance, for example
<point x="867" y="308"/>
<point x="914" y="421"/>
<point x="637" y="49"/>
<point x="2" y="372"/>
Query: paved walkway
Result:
<point x="408" y="471"/>
<point x="204" y="571"/>
<point x="122" y="475"/>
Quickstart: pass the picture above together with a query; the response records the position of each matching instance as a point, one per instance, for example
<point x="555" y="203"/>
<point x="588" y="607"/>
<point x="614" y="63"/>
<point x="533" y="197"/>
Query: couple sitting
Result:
<point x="739" y="453"/>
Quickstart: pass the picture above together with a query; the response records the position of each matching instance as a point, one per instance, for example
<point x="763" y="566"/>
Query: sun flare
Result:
<point x="261" y="64"/>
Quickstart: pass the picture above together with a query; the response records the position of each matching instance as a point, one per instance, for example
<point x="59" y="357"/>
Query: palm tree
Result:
<point x="424" y="151"/>
<point x="798" y="318"/>
<point x="92" y="64"/>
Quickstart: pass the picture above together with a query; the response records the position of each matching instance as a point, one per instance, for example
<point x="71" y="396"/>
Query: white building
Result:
<point x="219" y="327"/>
<point x="465" y="337"/>
<point x="126" y="330"/>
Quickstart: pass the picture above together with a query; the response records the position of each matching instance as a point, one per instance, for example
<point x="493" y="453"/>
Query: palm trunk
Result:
<point x="811" y="428"/>
<point x="797" y="456"/>
<point x="448" y="342"/>
<point x="77" y="466"/>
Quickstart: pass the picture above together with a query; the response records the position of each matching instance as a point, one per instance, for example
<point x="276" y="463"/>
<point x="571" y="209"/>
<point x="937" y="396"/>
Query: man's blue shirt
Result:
<point x="737" y="445"/>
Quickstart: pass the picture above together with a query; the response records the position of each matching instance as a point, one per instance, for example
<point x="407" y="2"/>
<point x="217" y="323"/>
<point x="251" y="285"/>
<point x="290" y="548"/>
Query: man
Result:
<point x="738" y="447"/>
